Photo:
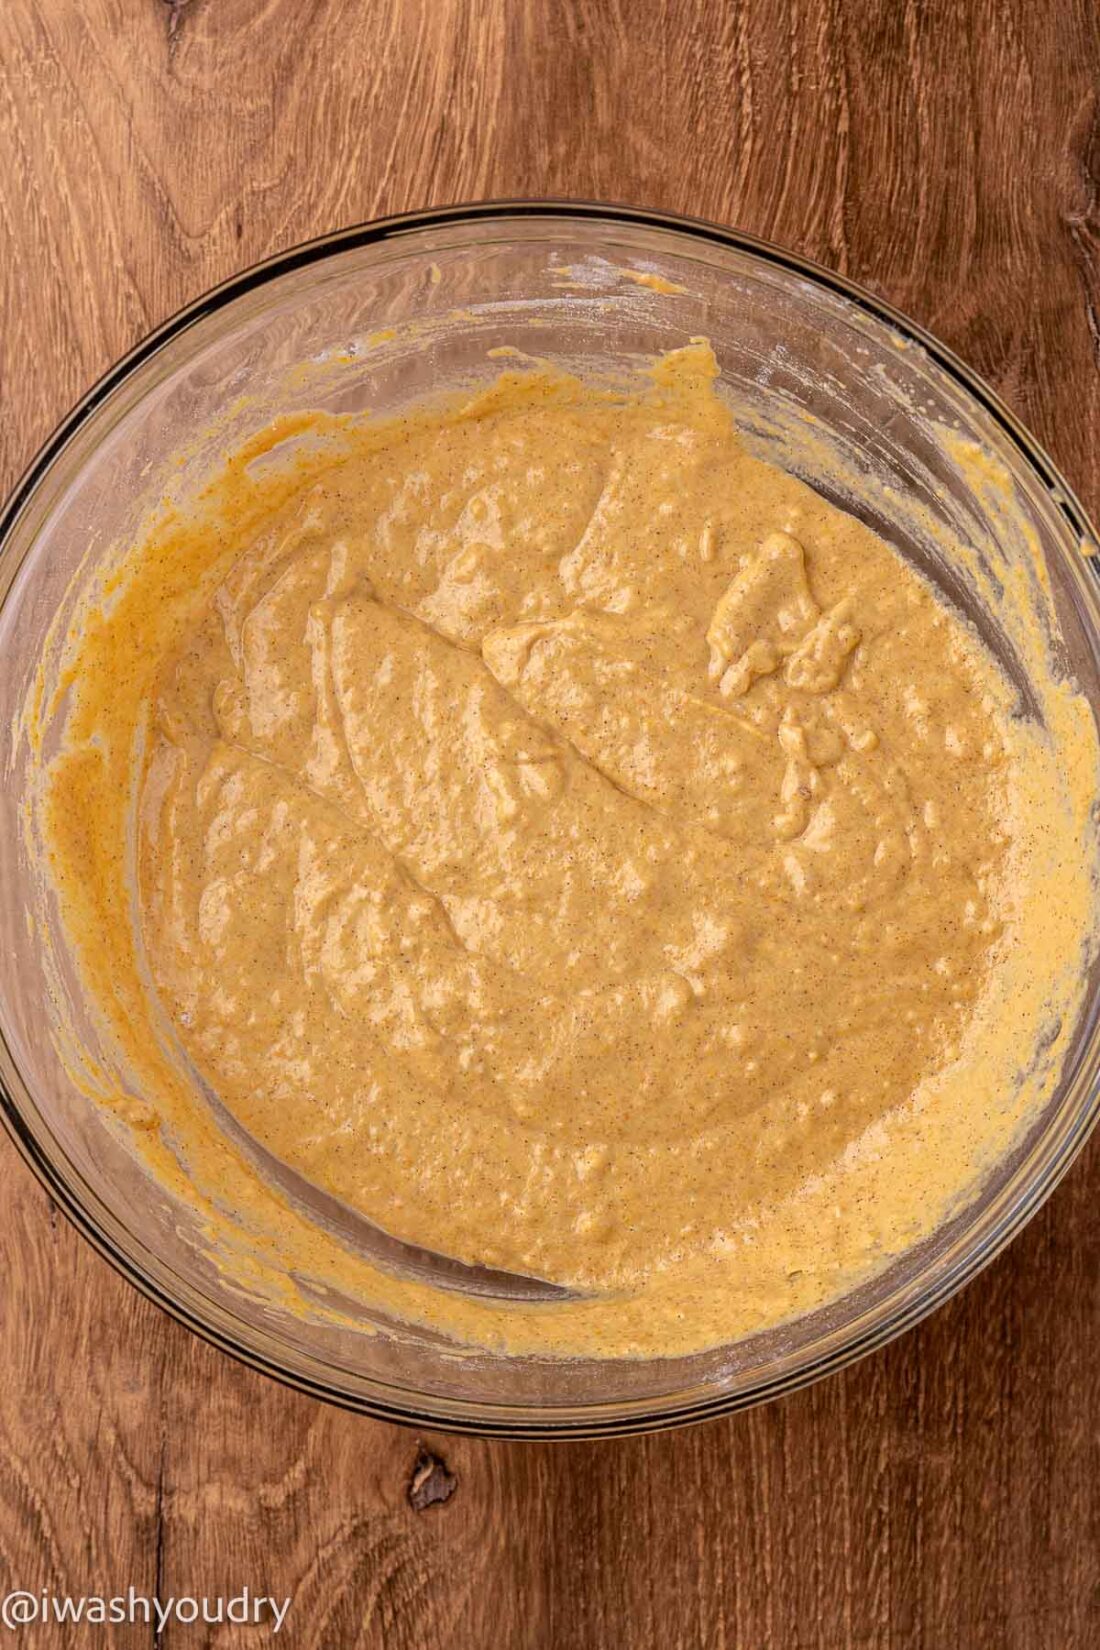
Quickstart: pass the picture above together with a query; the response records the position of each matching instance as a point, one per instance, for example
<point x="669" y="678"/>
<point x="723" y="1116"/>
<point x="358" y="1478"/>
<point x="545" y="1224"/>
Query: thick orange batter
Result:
<point x="580" y="849"/>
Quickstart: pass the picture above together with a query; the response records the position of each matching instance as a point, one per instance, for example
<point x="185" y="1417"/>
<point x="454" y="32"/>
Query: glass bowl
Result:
<point x="372" y="317"/>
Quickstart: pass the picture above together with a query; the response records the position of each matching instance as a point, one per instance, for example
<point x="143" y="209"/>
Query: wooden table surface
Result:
<point x="944" y="1493"/>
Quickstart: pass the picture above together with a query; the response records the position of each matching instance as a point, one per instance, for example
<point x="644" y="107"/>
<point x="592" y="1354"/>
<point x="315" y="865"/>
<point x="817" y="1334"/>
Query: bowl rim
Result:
<point x="468" y="1416"/>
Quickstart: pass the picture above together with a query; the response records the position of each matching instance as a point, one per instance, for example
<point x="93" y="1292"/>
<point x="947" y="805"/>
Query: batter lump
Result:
<point x="579" y="848"/>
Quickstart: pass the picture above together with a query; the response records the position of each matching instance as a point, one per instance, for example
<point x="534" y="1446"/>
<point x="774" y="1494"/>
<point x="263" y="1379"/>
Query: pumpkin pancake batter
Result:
<point x="577" y="847"/>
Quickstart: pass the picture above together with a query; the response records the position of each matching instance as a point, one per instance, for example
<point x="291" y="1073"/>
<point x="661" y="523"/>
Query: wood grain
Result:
<point x="942" y="1494"/>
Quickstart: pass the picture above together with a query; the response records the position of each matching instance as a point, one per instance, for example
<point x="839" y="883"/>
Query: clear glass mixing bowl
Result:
<point x="329" y="324"/>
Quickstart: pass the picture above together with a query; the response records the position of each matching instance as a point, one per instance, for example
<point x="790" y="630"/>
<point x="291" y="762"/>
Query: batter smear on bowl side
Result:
<point x="576" y="846"/>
